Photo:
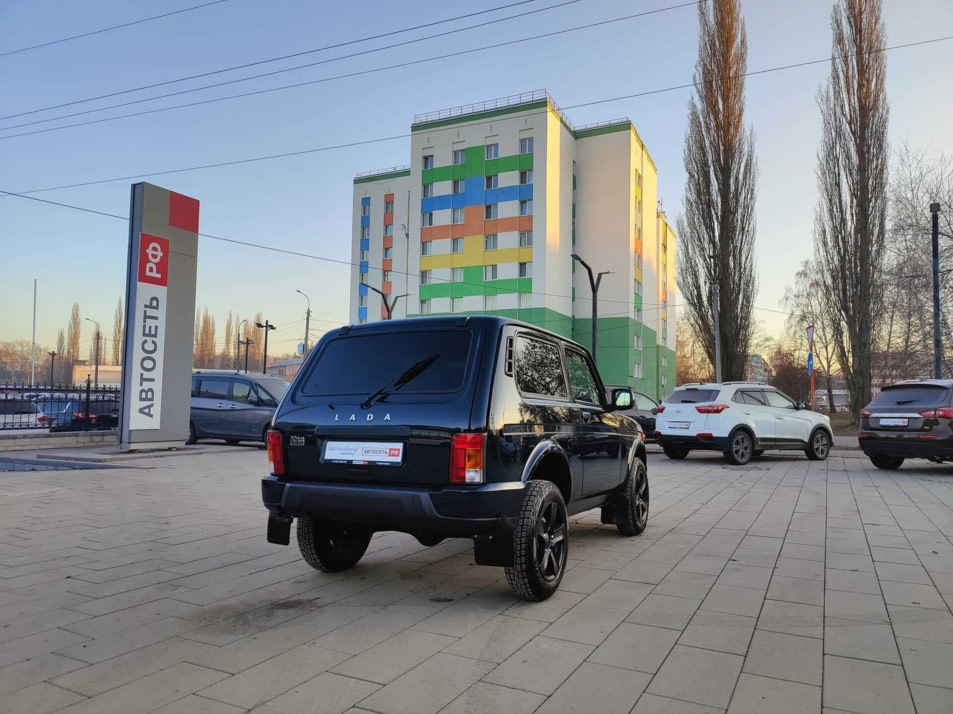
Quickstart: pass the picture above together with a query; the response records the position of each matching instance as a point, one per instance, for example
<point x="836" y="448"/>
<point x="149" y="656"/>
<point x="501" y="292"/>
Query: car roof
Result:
<point x="927" y="381"/>
<point x="719" y="385"/>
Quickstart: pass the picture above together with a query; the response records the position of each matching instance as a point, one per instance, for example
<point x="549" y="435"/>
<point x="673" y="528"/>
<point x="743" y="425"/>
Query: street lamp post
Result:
<point x="307" y="324"/>
<point x="267" y="327"/>
<point x="52" y="355"/>
<point x="388" y="304"/>
<point x="594" y="282"/>
<point x="239" y="341"/>
<point x="937" y="345"/>
<point x="96" y="358"/>
<point x="247" y="342"/>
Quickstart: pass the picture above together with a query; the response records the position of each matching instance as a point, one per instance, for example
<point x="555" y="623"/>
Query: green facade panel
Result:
<point x="504" y="163"/>
<point x="440" y="173"/>
<point x="434" y="290"/>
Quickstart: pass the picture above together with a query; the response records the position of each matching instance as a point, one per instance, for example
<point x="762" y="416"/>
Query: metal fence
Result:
<point x="71" y="407"/>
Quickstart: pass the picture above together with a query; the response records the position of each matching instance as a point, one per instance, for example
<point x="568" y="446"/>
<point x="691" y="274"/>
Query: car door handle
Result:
<point x="220" y="405"/>
<point x="233" y="406"/>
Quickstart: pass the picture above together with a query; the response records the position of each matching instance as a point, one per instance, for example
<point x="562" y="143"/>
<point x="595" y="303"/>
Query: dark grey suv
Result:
<point x="234" y="406"/>
<point x="452" y="427"/>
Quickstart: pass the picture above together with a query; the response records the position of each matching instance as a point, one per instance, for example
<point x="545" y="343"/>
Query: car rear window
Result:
<point x="914" y="395"/>
<point x="692" y="396"/>
<point x="17" y="406"/>
<point x="362" y="364"/>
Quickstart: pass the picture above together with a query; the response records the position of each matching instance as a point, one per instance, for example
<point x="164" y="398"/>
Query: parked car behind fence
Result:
<point x="59" y="407"/>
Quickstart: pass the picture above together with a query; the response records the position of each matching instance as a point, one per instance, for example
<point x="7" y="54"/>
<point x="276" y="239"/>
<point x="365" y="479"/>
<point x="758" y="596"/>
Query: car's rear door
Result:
<point x="209" y="404"/>
<point x="754" y="406"/>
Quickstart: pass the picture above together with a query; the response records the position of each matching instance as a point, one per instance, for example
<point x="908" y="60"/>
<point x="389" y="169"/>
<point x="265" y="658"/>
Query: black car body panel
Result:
<point x="505" y="386"/>
<point x="910" y="420"/>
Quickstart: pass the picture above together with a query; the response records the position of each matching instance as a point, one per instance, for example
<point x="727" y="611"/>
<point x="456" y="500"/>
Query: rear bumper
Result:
<point x="447" y="513"/>
<point x="692" y="441"/>
<point x="908" y="448"/>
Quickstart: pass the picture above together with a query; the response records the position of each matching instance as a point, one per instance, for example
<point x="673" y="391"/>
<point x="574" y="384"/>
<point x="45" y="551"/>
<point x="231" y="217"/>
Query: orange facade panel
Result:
<point x="435" y="232"/>
<point x="502" y="225"/>
<point x="472" y="221"/>
<point x="387" y="264"/>
<point x="388" y="287"/>
<point x="388" y="197"/>
<point x="388" y="241"/>
<point x="388" y="219"/>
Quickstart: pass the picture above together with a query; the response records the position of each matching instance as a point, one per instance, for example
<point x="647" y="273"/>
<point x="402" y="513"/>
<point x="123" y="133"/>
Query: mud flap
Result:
<point x="495" y="548"/>
<point x="279" y="529"/>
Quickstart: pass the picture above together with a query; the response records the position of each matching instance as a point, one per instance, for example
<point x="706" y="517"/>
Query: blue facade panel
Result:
<point x="436" y="203"/>
<point x="362" y="313"/>
<point x="363" y="267"/>
<point x="365" y="243"/>
<point x="507" y="193"/>
<point x="473" y="190"/>
<point x="459" y="200"/>
<point x="526" y="192"/>
<point x="362" y="289"/>
<point x="366" y="201"/>
<point x="365" y="221"/>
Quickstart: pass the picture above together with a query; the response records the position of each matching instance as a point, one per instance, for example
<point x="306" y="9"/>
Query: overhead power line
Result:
<point x="288" y="69"/>
<point x="265" y="61"/>
<point x="350" y="144"/>
<point x="110" y="29"/>
<point x="348" y="75"/>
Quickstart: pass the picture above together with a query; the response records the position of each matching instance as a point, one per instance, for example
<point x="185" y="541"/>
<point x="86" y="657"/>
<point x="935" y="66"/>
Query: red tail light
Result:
<point x="42" y="419"/>
<point x="79" y="415"/>
<point x="660" y="409"/>
<point x="276" y="454"/>
<point x="865" y="414"/>
<point x="711" y="408"/>
<point x="466" y="458"/>
<point x="945" y="413"/>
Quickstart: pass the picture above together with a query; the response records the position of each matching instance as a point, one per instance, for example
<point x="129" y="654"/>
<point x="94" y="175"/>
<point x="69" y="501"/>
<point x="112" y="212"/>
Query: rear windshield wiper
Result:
<point x="412" y="372"/>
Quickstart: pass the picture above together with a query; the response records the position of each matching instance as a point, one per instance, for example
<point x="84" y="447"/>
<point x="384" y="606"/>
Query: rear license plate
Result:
<point x="679" y="424"/>
<point x="364" y="453"/>
<point x="894" y="422"/>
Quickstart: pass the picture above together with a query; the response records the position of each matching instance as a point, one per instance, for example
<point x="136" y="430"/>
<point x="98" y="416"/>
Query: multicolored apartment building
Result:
<point x="486" y="218"/>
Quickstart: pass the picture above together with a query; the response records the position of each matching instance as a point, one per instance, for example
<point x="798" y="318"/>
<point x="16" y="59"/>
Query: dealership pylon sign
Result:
<point x="160" y="318"/>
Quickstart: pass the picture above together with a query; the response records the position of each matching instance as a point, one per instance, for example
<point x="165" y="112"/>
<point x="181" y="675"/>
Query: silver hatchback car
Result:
<point x="234" y="406"/>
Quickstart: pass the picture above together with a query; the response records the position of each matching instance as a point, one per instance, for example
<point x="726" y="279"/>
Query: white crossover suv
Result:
<point x="740" y="419"/>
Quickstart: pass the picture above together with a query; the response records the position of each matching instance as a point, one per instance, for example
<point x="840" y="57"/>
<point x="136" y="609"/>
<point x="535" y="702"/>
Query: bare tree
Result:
<point x="74" y="331"/>
<point x="258" y="340"/>
<point x="58" y="370"/>
<point x="808" y="304"/>
<point x="117" y="333"/>
<point x="228" y="349"/>
<point x="717" y="232"/>
<point x="850" y="223"/>
<point x="691" y="362"/>
<point x="205" y="346"/>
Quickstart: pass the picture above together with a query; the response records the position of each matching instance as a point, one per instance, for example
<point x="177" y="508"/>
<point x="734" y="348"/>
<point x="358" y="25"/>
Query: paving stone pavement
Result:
<point x="784" y="586"/>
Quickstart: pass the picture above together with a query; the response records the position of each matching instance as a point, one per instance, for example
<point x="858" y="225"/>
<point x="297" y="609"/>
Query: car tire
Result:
<point x="331" y="547"/>
<point x="675" y="452"/>
<point x="192" y="439"/>
<point x="632" y="505"/>
<point x="886" y="461"/>
<point x="540" y="543"/>
<point x="819" y="447"/>
<point x="740" y="447"/>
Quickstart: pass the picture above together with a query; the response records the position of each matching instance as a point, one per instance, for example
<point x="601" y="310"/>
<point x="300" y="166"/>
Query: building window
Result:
<point x="491" y="211"/>
<point x="365" y="254"/>
<point x="664" y="363"/>
<point x="456" y="245"/>
<point x="526" y="208"/>
<point x="427" y="219"/>
<point x="365" y="231"/>
<point x="389" y="229"/>
<point x="459" y="156"/>
<point x="637" y="343"/>
<point x="526" y="177"/>
<point x="425" y="277"/>
<point x="638" y="314"/>
<point x="362" y="301"/>
<point x="457" y="216"/>
<point x="425" y="307"/>
<point x="638" y="260"/>
<point x="489" y="272"/>
<point x="428" y="161"/>
<point x="526" y="145"/>
<point x="428" y="190"/>
<point x="365" y="209"/>
<point x="492" y="151"/>
<point x="456" y="275"/>
<point x="489" y="302"/>
<point x="457" y="186"/>
<point x="385" y="276"/>
<point x="526" y="270"/>
<point x="388" y="252"/>
<point x="637" y="369"/>
<point x="638" y="287"/>
<point x="388" y="206"/>
<point x="361" y="320"/>
<point x="426" y="248"/>
<point x="526" y="300"/>
<point x="526" y="239"/>
<point x="490" y="241"/>
<point x="492" y="182"/>
<point x="456" y="304"/>
<point x="664" y="381"/>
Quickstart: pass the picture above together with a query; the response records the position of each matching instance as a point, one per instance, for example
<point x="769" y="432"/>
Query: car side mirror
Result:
<point x="622" y="398"/>
<point x="252" y="399"/>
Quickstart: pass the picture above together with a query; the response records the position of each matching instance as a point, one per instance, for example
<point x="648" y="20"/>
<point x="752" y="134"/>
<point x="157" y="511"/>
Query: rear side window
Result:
<point x="913" y="395"/>
<point x="692" y="396"/>
<point x="362" y="364"/>
<point x="581" y="381"/>
<point x="17" y="406"/>
<point x="752" y="397"/>
<point x="213" y="388"/>
<point x="538" y="368"/>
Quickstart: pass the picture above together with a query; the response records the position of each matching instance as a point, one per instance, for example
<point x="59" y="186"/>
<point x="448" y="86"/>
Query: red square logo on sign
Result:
<point x="153" y="260"/>
<point x="183" y="212"/>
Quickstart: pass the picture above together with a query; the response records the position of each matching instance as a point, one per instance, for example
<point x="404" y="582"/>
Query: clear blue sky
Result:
<point x="304" y="203"/>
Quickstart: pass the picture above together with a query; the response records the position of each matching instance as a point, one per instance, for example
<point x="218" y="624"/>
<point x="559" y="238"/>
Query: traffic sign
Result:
<point x="810" y="336"/>
<point x="810" y="363"/>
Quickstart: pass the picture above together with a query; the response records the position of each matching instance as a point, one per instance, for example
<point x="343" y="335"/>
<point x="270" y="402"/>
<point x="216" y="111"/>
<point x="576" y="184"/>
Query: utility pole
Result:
<point x="267" y="327"/>
<point x="307" y="324"/>
<point x="239" y="341"/>
<point x="937" y="344"/>
<point x="388" y="304"/>
<point x="33" y="343"/>
<point x="96" y="357"/>
<point x="594" y="283"/>
<point x="52" y="360"/>
<point x="247" y="342"/>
